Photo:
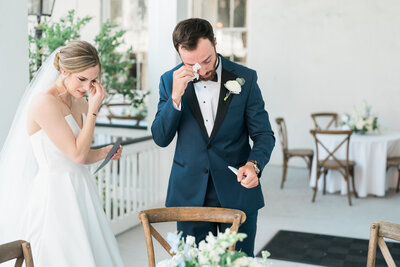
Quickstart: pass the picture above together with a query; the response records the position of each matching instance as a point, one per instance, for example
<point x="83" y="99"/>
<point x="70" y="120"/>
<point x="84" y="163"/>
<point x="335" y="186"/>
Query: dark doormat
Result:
<point x="325" y="250"/>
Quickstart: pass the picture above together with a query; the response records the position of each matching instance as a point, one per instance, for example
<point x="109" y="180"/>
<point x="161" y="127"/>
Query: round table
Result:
<point x="370" y="152"/>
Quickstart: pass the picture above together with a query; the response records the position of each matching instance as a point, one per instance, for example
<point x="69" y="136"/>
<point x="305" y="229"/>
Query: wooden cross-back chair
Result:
<point x="380" y="230"/>
<point x="330" y="116"/>
<point x="344" y="166"/>
<point x="394" y="162"/>
<point x="19" y="250"/>
<point x="306" y="154"/>
<point x="180" y="214"/>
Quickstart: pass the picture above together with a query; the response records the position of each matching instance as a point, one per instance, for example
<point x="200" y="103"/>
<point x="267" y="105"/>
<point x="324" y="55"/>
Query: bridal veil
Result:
<point x="17" y="162"/>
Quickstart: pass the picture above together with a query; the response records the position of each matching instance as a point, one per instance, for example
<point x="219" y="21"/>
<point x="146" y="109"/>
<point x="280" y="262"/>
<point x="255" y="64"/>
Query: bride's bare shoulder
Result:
<point x="43" y="102"/>
<point x="43" y="106"/>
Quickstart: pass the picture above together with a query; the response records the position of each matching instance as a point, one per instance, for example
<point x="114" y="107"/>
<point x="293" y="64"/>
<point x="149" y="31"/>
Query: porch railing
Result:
<point x="135" y="182"/>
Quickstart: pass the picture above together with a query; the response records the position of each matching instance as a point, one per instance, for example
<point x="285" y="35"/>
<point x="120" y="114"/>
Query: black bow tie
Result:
<point x="215" y="79"/>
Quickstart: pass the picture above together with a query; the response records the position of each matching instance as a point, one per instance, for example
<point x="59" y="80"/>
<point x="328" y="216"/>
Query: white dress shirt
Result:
<point x="207" y="93"/>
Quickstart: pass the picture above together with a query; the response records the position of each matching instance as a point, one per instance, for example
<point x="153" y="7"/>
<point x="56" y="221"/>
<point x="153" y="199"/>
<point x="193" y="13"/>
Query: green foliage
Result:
<point x="116" y="66"/>
<point x="230" y="256"/>
<point x="54" y="35"/>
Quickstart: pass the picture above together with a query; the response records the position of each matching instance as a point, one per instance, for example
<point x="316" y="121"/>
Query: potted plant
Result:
<point x="116" y="77"/>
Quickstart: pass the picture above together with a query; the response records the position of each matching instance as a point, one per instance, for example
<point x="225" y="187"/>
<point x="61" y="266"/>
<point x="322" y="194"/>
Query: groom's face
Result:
<point x="205" y="55"/>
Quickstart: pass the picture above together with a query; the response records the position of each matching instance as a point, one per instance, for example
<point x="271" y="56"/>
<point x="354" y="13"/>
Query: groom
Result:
<point x="213" y="127"/>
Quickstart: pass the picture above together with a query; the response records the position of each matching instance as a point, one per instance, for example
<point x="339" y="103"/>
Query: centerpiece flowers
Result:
<point x="361" y="122"/>
<point x="211" y="252"/>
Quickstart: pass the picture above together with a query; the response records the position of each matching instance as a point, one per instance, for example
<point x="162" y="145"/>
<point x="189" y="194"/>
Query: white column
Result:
<point x="14" y="73"/>
<point x="163" y="17"/>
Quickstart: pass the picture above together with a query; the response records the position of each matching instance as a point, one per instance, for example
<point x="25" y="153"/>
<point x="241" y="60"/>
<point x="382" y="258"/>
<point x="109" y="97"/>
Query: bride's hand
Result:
<point x="96" y="97"/>
<point x="117" y="154"/>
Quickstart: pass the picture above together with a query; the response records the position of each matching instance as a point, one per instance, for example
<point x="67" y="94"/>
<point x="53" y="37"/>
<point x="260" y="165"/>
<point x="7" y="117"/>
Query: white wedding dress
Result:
<point x="65" y="222"/>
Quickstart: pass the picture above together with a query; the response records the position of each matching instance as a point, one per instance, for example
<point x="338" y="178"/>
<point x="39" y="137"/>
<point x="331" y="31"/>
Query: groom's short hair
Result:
<point x="187" y="33"/>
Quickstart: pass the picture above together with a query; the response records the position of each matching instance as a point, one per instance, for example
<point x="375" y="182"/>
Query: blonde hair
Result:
<point x="77" y="56"/>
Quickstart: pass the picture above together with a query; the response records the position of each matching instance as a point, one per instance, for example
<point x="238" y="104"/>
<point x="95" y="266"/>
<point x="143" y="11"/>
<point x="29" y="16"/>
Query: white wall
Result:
<point x="325" y="55"/>
<point x="14" y="73"/>
<point x="82" y="9"/>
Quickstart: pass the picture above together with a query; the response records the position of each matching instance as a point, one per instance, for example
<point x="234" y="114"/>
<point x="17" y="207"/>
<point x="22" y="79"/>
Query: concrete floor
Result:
<point x="289" y="209"/>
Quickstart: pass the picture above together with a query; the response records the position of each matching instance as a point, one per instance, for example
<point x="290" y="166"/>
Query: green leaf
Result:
<point x="116" y="66"/>
<point x="241" y="81"/>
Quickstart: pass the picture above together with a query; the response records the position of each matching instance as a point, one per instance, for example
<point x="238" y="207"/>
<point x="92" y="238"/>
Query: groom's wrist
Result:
<point x="255" y="165"/>
<point x="177" y="102"/>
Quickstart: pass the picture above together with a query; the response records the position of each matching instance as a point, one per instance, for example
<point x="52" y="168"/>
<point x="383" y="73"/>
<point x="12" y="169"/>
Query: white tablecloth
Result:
<point x="370" y="153"/>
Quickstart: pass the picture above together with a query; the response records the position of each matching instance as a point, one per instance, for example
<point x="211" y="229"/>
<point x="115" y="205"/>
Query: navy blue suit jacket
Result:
<point x="239" y="117"/>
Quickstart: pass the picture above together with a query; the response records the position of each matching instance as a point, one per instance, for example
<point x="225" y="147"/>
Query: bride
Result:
<point x="47" y="195"/>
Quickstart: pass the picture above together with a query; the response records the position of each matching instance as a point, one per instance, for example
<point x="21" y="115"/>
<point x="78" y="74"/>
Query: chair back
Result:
<point x="184" y="214"/>
<point x="326" y="118"/>
<point x="380" y="230"/>
<point x="282" y="131"/>
<point x="331" y="157"/>
<point x="19" y="250"/>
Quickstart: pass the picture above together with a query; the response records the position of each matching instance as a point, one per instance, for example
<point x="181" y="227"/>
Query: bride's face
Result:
<point x="79" y="83"/>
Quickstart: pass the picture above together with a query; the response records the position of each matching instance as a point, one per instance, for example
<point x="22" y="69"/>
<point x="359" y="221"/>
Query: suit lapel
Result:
<point x="193" y="103"/>
<point x="222" y="105"/>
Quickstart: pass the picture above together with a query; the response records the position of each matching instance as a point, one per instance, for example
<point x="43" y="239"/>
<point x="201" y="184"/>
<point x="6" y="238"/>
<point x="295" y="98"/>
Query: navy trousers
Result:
<point x="201" y="229"/>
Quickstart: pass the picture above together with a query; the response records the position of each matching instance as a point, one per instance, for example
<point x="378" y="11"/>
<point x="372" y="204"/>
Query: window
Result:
<point x="132" y="16"/>
<point x="228" y="18"/>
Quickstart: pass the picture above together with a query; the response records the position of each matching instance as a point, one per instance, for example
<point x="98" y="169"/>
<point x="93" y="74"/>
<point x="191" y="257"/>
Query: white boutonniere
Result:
<point x="234" y="87"/>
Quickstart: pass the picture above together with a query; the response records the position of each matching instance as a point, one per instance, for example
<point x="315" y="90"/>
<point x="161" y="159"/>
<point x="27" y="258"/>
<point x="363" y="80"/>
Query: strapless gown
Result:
<point x="65" y="223"/>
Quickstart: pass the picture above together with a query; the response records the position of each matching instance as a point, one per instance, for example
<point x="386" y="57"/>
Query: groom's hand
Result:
<point x="181" y="77"/>
<point x="247" y="176"/>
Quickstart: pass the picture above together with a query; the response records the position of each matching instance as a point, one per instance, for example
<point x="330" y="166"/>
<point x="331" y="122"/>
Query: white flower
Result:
<point x="370" y="121"/>
<point x="190" y="240"/>
<point x="212" y="252"/>
<point x="202" y="245"/>
<point x="234" y="87"/>
<point x="360" y="124"/>
<point x="173" y="240"/>
<point x="249" y="262"/>
<point x="361" y="121"/>
<point x="345" y="118"/>
<point x="265" y="254"/>
<point x="167" y="263"/>
<point x="211" y="239"/>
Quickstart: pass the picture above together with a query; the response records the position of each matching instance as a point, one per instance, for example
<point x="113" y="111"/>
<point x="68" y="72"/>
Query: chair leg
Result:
<point x="324" y="189"/>
<point x="310" y="158"/>
<point x="285" y="162"/>
<point x="316" y="185"/>
<point x="354" y="184"/>
<point x="348" y="189"/>
<point x="398" y="179"/>
<point x="26" y="249"/>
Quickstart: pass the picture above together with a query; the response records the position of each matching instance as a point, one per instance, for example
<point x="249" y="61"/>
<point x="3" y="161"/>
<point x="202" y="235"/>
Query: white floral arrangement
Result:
<point x="361" y="121"/>
<point x="212" y="252"/>
<point x="140" y="110"/>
